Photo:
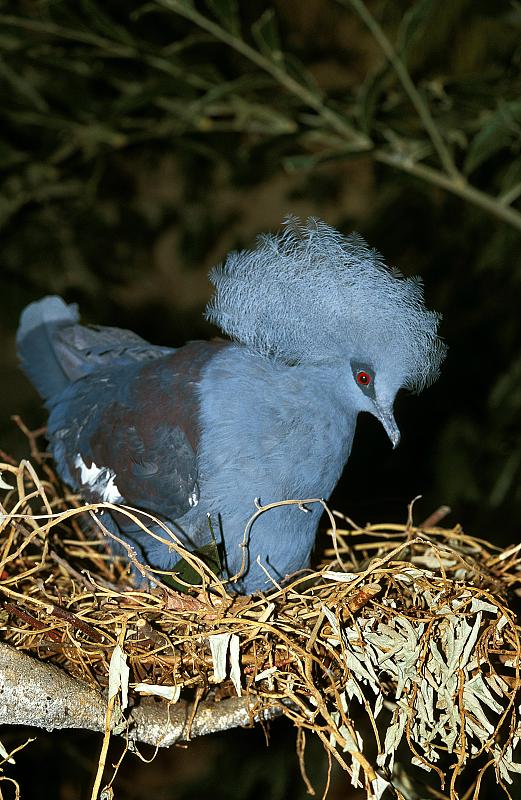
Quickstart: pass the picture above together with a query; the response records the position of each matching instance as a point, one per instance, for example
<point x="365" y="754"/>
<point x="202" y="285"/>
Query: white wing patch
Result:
<point x="101" y="480"/>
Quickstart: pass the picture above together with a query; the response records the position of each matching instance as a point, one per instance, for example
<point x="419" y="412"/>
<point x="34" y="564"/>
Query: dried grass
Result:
<point x="405" y="635"/>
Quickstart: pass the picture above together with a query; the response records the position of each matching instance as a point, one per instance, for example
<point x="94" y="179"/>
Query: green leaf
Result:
<point x="297" y="70"/>
<point x="368" y="100"/>
<point x="8" y="42"/>
<point x="510" y="182"/>
<point x="104" y="25"/>
<point x="299" y="163"/>
<point x="501" y="129"/>
<point x="9" y="156"/>
<point x="23" y="87"/>
<point x="209" y="553"/>
<point x="413" y="25"/>
<point x="227" y="12"/>
<point x="266" y="35"/>
<point x="243" y="87"/>
<point x="254" y="116"/>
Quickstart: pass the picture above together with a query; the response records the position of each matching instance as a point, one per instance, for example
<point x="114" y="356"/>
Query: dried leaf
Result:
<point x="118" y="676"/>
<point x="219" y="650"/>
<point x="235" y="664"/>
<point x="170" y="693"/>
<point x="5" y="755"/>
<point x="3" y="484"/>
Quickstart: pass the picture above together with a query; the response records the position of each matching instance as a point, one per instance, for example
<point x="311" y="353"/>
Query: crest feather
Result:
<point x="308" y="294"/>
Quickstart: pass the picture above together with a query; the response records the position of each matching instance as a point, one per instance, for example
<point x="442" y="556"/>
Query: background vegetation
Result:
<point x="141" y="142"/>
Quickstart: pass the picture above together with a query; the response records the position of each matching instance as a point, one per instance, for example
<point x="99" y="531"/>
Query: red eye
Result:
<point x="363" y="378"/>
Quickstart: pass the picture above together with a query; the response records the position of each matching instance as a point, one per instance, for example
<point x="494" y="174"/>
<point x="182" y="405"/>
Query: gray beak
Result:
<point x="391" y="428"/>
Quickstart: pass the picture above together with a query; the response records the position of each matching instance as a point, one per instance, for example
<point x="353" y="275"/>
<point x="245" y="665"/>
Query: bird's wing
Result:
<point x="129" y="434"/>
<point x="83" y="348"/>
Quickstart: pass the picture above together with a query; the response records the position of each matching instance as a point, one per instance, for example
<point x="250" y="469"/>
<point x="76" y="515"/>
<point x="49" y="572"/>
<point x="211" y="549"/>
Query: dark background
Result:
<point x="139" y="144"/>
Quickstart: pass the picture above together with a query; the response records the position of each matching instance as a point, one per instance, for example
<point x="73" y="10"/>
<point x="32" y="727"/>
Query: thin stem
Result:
<point x="458" y="187"/>
<point x="310" y="98"/>
<point x="414" y="96"/>
<point x="511" y="195"/>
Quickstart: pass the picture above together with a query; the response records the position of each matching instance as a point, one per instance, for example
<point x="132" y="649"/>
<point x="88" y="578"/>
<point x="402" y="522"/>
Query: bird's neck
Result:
<point x="324" y="386"/>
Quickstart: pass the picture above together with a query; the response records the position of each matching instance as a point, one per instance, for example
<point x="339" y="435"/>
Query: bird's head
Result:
<point x="310" y="295"/>
<point x="374" y="392"/>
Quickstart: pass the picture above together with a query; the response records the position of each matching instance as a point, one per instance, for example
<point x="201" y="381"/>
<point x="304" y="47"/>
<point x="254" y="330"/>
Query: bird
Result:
<point x="314" y="330"/>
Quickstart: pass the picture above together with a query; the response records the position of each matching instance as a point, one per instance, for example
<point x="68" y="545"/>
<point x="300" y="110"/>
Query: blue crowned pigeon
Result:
<point x="320" y="330"/>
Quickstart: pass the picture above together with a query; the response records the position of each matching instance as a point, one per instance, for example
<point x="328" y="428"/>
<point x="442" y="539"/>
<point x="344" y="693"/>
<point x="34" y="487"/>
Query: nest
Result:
<point x="404" y="637"/>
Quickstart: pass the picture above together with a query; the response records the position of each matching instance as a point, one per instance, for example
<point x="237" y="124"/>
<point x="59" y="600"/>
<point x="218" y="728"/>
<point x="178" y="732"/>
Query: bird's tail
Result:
<point x="41" y="324"/>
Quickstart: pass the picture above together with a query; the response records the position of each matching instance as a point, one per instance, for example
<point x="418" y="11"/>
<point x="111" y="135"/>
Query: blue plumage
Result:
<point x="321" y="330"/>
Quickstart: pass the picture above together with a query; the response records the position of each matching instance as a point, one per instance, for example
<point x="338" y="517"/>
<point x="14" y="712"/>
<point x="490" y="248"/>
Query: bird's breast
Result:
<point x="269" y="432"/>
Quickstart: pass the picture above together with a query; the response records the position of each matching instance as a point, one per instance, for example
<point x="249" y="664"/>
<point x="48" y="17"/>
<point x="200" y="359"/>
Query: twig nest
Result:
<point x="402" y="636"/>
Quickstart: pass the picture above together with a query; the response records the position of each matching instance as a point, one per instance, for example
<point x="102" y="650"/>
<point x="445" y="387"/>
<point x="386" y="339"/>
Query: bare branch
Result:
<point x="40" y="695"/>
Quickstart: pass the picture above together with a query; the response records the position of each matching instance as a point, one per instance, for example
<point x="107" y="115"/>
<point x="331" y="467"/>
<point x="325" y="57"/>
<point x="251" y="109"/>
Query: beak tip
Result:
<point x="389" y="423"/>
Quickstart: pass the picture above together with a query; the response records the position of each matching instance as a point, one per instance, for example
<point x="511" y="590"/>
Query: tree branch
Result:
<point x="40" y="695"/>
<point x="460" y="187"/>
<point x="312" y="99"/>
<point x="408" y="84"/>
